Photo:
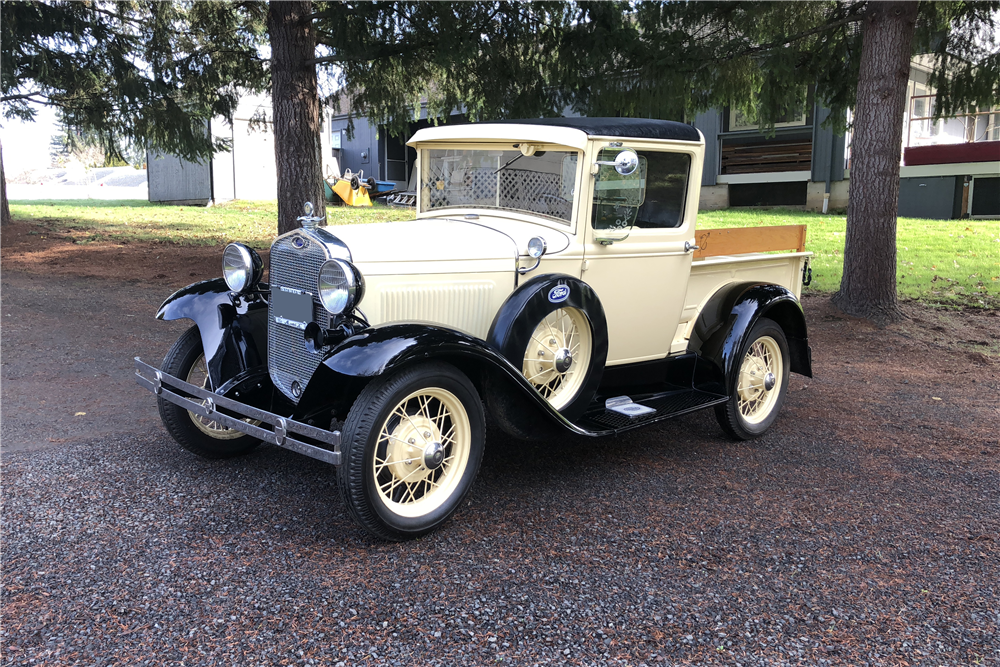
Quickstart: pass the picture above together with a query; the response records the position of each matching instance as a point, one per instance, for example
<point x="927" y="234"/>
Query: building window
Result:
<point x="796" y="115"/>
<point x="738" y="121"/>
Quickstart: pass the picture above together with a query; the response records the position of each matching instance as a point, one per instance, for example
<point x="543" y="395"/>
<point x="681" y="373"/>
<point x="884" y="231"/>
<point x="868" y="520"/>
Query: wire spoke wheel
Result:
<point x="762" y="365"/>
<point x="422" y="451"/>
<point x="412" y="444"/>
<point x="203" y="436"/>
<point x="558" y="355"/>
<point x="198" y="376"/>
<point x="759" y="384"/>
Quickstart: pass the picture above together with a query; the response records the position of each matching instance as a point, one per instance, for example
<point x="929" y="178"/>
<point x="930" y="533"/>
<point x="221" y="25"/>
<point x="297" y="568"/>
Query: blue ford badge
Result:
<point x="558" y="294"/>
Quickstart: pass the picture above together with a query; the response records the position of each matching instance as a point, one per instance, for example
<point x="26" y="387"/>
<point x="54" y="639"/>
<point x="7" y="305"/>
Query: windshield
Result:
<point x="543" y="183"/>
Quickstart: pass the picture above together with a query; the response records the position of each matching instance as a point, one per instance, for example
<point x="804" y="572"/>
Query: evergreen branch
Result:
<point x="329" y="59"/>
<point x="854" y="18"/>
<point x="116" y="16"/>
<point x="25" y="96"/>
<point x="386" y="52"/>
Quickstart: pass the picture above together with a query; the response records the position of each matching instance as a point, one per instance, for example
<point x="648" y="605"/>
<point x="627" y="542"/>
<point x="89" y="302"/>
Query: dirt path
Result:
<point x="74" y="316"/>
<point x="67" y="355"/>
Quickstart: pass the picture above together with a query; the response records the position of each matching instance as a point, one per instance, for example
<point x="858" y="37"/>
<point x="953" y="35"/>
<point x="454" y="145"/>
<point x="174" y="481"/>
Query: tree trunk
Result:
<point x="868" y="288"/>
<point x="295" y="103"/>
<point x="5" y="211"/>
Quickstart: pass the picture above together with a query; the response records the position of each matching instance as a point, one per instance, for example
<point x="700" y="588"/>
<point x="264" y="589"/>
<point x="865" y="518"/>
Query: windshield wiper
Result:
<point x="509" y="162"/>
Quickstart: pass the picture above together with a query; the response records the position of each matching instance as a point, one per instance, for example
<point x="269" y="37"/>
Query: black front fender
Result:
<point x="233" y="331"/>
<point x="386" y="349"/>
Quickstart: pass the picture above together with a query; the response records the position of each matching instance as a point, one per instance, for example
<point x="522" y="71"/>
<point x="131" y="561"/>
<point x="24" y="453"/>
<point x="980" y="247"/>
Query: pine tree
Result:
<point x="145" y="73"/>
<point x="497" y="60"/>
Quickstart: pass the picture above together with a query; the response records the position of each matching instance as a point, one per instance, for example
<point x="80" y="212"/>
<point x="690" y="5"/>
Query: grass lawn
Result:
<point x="953" y="262"/>
<point x="250" y="222"/>
<point x="950" y="262"/>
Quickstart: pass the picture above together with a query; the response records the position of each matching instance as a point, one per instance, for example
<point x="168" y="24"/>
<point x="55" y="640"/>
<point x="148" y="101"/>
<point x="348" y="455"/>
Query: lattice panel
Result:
<point x="523" y="190"/>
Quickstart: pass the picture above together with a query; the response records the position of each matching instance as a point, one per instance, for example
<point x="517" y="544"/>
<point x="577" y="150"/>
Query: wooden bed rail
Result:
<point x="741" y="240"/>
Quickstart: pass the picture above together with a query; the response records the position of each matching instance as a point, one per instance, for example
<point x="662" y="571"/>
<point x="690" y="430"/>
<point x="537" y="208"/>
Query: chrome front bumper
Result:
<point x="165" y="386"/>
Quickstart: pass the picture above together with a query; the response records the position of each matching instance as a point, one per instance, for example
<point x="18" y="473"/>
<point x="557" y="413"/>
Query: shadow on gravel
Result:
<point x="68" y="345"/>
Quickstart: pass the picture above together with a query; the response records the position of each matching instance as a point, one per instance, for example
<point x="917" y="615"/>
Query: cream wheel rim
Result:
<point x="198" y="376"/>
<point x="422" y="452"/>
<point x="558" y="355"/>
<point x="760" y="380"/>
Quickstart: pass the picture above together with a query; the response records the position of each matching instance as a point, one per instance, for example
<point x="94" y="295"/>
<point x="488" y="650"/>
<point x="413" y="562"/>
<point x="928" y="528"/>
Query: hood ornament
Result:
<point x="309" y="221"/>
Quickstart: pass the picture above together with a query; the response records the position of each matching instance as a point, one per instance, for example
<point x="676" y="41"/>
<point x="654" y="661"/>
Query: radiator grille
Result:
<point x="465" y="305"/>
<point x="298" y="268"/>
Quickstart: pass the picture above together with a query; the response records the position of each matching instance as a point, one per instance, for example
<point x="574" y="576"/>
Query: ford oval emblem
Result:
<point x="559" y="293"/>
<point x="299" y="242"/>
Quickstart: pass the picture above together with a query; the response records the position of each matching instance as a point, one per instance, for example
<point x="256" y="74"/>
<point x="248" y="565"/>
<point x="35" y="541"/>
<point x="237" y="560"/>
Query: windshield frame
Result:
<point x="562" y="224"/>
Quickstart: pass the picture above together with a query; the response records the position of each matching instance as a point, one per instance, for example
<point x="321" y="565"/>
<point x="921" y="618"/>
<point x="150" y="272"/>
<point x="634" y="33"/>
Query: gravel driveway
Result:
<point x="861" y="530"/>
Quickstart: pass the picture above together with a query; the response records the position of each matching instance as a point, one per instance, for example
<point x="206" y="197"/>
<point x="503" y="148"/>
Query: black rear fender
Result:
<point x="738" y="309"/>
<point x="233" y="332"/>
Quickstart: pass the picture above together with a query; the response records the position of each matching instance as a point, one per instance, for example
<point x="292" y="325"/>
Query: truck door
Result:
<point x="637" y="255"/>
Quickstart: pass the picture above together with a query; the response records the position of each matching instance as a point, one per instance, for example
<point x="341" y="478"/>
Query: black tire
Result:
<point x="192" y="432"/>
<point x="753" y="406"/>
<point x="389" y="471"/>
<point x="515" y="414"/>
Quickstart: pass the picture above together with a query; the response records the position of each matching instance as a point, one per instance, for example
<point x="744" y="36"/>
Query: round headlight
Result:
<point x="241" y="267"/>
<point x="340" y="286"/>
<point x="536" y="247"/>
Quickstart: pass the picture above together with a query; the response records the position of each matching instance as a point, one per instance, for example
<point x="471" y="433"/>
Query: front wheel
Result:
<point x="758" y="390"/>
<point x="412" y="447"/>
<point x="199" y="435"/>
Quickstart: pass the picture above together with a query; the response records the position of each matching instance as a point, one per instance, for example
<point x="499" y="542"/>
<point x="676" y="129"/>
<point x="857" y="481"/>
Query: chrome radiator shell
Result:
<point x="295" y="261"/>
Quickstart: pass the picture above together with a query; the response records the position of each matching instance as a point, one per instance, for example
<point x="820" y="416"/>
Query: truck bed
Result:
<point x="728" y="256"/>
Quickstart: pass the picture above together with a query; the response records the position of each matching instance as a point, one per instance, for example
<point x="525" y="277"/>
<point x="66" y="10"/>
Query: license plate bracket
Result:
<point x="291" y="308"/>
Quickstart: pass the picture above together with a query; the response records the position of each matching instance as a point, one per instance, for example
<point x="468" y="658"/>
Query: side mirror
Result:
<point x="619" y="191"/>
<point x="625" y="163"/>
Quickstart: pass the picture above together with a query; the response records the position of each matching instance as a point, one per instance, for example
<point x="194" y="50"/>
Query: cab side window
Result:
<point x="666" y="190"/>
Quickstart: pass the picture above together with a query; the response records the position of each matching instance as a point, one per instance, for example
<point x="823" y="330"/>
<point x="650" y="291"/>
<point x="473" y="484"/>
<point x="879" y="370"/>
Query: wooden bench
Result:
<point x="742" y="240"/>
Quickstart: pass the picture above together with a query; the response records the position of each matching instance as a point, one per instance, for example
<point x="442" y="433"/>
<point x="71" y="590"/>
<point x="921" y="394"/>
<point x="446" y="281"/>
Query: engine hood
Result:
<point x="425" y="246"/>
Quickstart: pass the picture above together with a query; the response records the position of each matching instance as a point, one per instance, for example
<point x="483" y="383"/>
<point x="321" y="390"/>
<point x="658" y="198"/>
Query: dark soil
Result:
<point x="862" y="529"/>
<point x="27" y="249"/>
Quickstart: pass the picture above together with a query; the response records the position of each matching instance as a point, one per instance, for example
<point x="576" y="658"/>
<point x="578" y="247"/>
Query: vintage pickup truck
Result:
<point x="552" y="279"/>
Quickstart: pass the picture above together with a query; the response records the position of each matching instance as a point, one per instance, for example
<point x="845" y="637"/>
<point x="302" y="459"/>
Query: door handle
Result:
<point x="690" y="247"/>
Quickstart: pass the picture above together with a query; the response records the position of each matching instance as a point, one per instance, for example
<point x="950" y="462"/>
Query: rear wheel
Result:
<point x="412" y="447"/>
<point x="200" y="435"/>
<point x="760" y="385"/>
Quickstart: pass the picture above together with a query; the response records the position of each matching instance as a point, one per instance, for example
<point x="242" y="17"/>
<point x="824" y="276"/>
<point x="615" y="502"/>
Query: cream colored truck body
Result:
<point x="568" y="293"/>
<point x="452" y="268"/>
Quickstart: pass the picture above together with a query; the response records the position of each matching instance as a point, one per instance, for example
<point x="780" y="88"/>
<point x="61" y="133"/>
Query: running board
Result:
<point x="621" y="413"/>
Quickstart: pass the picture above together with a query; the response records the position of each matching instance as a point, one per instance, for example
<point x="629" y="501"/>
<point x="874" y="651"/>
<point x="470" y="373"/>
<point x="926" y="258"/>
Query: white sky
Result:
<point x="26" y="144"/>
